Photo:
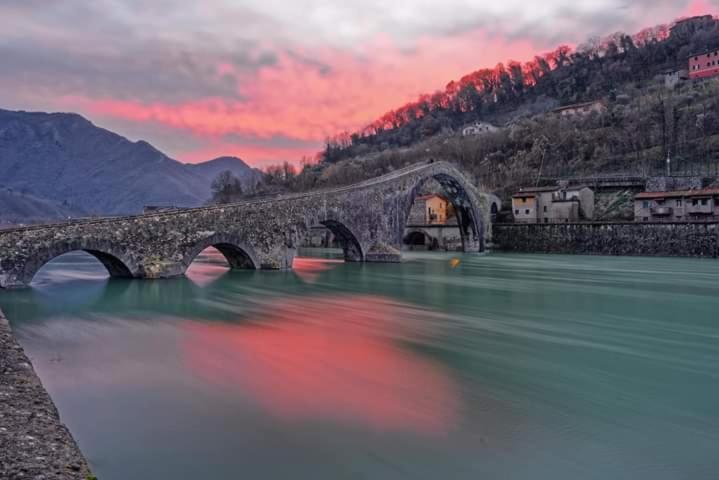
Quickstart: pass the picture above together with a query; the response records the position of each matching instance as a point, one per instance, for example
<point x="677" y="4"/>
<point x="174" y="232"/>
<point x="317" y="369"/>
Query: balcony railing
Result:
<point x="700" y="209"/>
<point x="662" y="211"/>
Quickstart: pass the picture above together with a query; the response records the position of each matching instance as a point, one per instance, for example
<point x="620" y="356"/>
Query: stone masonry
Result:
<point x="684" y="239"/>
<point x="368" y="219"/>
<point x="34" y="444"/>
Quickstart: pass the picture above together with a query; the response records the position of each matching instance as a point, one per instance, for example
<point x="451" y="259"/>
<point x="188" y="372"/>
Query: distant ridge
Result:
<point x="67" y="165"/>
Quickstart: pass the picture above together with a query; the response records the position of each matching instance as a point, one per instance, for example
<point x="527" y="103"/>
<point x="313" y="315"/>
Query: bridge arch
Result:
<point x="463" y="198"/>
<point x="238" y="254"/>
<point x="419" y="238"/>
<point x="117" y="260"/>
<point x="351" y="247"/>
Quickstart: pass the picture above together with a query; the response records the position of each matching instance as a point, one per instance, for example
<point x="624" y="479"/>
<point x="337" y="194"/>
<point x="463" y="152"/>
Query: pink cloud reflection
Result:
<point x="330" y="359"/>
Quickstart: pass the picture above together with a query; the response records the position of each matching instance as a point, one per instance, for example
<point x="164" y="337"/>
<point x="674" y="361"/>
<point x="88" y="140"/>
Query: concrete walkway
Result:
<point x="34" y="444"/>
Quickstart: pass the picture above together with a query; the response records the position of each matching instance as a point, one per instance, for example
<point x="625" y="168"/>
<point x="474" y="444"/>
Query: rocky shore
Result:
<point x="34" y="444"/>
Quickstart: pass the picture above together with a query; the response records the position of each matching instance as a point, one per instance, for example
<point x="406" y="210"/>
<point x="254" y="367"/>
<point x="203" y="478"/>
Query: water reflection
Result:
<point x="309" y="269"/>
<point x="330" y="358"/>
<point x="508" y="366"/>
<point x="208" y="266"/>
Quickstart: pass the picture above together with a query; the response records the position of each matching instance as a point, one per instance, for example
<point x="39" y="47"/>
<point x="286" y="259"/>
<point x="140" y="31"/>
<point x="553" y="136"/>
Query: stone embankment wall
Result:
<point x="33" y="441"/>
<point x="650" y="239"/>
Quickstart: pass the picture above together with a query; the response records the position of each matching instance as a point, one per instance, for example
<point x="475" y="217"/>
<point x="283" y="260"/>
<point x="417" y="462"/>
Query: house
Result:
<point x="558" y="204"/>
<point x="478" y="128"/>
<point x="672" y="78"/>
<point x="677" y="206"/>
<point x="581" y="109"/>
<point x="431" y="209"/>
<point x="704" y="65"/>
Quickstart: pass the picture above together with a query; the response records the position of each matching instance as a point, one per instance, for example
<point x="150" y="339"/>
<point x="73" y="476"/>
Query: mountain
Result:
<point x="639" y="112"/>
<point x="600" y="69"/>
<point x="18" y="207"/>
<point x="210" y="169"/>
<point x="64" y="159"/>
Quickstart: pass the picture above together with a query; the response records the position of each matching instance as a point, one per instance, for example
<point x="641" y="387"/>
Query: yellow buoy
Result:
<point x="454" y="262"/>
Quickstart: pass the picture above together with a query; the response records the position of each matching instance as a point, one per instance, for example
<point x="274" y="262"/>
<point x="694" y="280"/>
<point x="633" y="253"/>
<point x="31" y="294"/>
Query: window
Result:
<point x="646" y="219"/>
<point x="695" y="202"/>
<point x="545" y="209"/>
<point x="645" y="204"/>
<point x="546" y="220"/>
<point x="516" y="212"/>
<point x="524" y="200"/>
<point x="705" y="202"/>
<point x="679" y="202"/>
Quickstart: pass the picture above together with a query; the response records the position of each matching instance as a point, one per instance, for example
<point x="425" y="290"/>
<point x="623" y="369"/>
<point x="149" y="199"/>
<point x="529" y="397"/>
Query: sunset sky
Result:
<point x="268" y="80"/>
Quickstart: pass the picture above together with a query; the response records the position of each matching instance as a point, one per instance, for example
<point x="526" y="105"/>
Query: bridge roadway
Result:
<point x="368" y="218"/>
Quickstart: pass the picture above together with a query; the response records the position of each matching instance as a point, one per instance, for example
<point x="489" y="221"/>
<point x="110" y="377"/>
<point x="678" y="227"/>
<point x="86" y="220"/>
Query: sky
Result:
<point x="269" y="80"/>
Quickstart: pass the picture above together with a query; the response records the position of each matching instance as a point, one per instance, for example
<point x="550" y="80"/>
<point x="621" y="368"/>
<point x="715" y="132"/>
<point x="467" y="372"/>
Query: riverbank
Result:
<point x="33" y="441"/>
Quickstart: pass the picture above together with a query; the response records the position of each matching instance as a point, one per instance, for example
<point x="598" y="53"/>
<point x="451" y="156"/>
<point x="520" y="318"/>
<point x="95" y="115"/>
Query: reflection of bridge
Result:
<point x="368" y="218"/>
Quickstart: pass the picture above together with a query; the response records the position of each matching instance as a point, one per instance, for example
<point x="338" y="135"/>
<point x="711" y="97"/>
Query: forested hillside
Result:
<point x="643" y="122"/>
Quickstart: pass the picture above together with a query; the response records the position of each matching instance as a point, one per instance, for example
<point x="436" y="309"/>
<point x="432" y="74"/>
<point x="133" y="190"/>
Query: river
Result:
<point x="493" y="367"/>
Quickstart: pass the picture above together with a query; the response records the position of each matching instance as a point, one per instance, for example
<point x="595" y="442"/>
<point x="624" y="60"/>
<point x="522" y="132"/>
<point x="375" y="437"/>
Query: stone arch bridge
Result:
<point x="368" y="218"/>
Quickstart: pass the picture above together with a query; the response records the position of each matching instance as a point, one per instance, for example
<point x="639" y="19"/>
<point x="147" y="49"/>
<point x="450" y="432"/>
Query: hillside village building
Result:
<point x="581" y="109"/>
<point x="672" y="78"/>
<point x="704" y="65"/>
<point x="678" y="206"/>
<point x="553" y="204"/>
<point x="478" y="128"/>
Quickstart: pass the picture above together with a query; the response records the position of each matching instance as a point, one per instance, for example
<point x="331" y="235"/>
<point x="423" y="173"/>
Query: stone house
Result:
<point x="478" y="128"/>
<point x="432" y="209"/>
<point x="553" y="204"/>
<point x="672" y="78"/>
<point x="677" y="206"/>
<point x="582" y="109"/>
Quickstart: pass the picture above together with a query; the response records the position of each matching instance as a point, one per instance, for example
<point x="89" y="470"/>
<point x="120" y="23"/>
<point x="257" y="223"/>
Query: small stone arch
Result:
<point x="238" y="254"/>
<point x="465" y="202"/>
<point x="351" y="247"/>
<point x="412" y="239"/>
<point x="118" y="262"/>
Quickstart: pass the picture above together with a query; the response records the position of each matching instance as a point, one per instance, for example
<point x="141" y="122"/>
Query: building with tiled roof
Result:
<point x="677" y="206"/>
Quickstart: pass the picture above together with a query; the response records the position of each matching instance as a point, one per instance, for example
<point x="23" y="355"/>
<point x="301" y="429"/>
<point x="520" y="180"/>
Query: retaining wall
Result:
<point x="33" y="441"/>
<point x="652" y="239"/>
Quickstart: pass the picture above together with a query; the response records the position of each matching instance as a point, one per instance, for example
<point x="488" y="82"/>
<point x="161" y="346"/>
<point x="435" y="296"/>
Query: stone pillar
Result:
<point x="383" y="253"/>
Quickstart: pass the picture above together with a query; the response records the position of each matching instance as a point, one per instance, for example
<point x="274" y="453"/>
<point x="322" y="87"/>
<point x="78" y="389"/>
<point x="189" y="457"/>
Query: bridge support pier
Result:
<point x="383" y="253"/>
<point x="161" y="269"/>
<point x="279" y="259"/>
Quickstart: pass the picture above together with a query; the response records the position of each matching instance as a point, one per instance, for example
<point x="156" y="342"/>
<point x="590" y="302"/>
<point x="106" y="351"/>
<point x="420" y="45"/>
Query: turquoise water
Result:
<point x="503" y="367"/>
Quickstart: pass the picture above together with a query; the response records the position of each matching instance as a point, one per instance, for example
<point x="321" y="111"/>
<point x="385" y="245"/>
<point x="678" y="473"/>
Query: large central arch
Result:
<point x="465" y="201"/>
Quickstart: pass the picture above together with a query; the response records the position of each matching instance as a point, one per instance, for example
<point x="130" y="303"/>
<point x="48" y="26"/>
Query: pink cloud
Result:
<point x="701" y="7"/>
<point x="299" y="100"/>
